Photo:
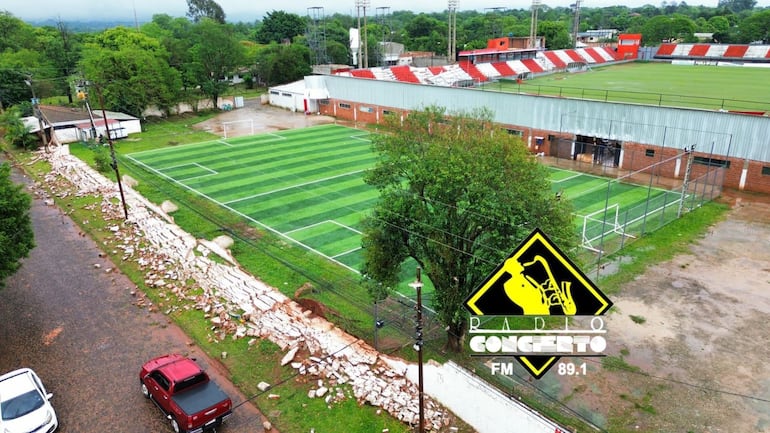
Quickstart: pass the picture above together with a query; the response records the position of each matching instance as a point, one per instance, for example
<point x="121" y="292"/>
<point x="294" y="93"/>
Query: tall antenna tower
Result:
<point x="363" y="50"/>
<point x="383" y="19"/>
<point x="575" y="22"/>
<point x="316" y="34"/>
<point x="452" y="37"/>
<point x="533" y="24"/>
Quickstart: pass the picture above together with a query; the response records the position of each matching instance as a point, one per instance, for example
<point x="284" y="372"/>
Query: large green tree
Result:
<point x="215" y="55"/>
<point x="131" y="71"/>
<point x="16" y="235"/>
<point x="280" y="26"/>
<point x="457" y="194"/>
<point x="200" y="9"/>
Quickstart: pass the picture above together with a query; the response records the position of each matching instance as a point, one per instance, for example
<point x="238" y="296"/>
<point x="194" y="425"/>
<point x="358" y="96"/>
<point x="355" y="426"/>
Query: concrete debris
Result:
<point x="236" y="303"/>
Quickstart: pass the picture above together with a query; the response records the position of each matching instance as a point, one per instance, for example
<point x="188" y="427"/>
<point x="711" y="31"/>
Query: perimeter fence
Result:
<point x="637" y="200"/>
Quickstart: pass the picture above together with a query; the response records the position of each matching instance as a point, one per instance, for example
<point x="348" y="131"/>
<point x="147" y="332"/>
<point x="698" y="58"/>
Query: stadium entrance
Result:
<point x="596" y="150"/>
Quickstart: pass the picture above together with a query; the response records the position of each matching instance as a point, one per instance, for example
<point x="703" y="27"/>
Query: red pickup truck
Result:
<point x="183" y="391"/>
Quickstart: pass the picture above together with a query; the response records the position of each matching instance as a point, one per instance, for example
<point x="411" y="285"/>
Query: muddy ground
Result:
<point x="698" y="336"/>
<point x="695" y="328"/>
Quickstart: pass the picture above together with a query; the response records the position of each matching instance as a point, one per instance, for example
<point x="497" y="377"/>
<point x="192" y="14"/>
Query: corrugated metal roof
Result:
<point x="736" y="135"/>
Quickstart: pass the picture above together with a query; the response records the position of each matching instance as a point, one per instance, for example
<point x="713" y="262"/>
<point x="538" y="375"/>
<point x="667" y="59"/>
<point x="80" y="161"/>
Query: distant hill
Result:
<point x="85" y="26"/>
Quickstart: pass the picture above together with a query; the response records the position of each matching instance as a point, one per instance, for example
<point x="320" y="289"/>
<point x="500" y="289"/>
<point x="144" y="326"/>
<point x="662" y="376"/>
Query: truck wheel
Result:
<point x="145" y="391"/>
<point x="176" y="427"/>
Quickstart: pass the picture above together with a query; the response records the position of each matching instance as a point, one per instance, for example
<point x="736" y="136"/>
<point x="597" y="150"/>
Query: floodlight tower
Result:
<point x="383" y="18"/>
<point x="316" y="34"/>
<point x="363" y="51"/>
<point x="452" y="45"/>
<point x="533" y="24"/>
<point x="575" y="22"/>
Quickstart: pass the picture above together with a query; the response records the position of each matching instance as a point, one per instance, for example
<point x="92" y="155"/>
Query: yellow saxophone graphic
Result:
<point x="537" y="297"/>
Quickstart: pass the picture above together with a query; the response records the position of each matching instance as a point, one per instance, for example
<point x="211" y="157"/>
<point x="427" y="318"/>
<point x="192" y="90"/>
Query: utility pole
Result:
<point x="36" y="107"/>
<point x="114" y="163"/>
<point x="417" y="285"/>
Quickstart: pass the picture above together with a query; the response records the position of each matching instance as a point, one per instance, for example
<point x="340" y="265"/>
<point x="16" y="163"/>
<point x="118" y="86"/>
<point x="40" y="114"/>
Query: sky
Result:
<point x="251" y="10"/>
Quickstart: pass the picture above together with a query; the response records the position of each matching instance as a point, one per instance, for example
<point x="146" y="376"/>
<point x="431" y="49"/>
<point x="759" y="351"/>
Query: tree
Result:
<point x="737" y="5"/>
<point x="131" y="70"/>
<point x="457" y="194"/>
<point x="279" y="26"/>
<point x="16" y="235"/>
<point x="279" y="64"/>
<point x="215" y="55"/>
<point x="15" y="132"/>
<point x="556" y="35"/>
<point x="199" y="9"/>
<point x="756" y="28"/>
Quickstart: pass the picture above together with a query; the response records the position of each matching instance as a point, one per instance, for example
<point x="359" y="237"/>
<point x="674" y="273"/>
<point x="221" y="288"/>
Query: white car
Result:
<point x="24" y="404"/>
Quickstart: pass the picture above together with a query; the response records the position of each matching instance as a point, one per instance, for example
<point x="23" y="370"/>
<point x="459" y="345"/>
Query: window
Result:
<point x="344" y="105"/>
<point x="649" y="152"/>
<point x="324" y="102"/>
<point x="286" y="94"/>
<point x="387" y="112"/>
<point x="515" y="132"/>
<point x="765" y="170"/>
<point x="366" y="109"/>
<point x="160" y="379"/>
<point x="275" y="92"/>
<point x="711" y="162"/>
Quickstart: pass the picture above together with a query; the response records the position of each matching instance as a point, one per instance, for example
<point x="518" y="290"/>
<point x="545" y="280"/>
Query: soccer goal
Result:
<point x="599" y="224"/>
<point x="238" y="127"/>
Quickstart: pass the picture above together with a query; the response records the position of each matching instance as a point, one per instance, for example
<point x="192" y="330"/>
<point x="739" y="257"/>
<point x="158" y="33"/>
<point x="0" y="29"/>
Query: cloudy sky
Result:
<point x="250" y="10"/>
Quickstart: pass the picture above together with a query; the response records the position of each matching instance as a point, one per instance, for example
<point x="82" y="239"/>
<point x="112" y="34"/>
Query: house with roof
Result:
<point x="76" y="124"/>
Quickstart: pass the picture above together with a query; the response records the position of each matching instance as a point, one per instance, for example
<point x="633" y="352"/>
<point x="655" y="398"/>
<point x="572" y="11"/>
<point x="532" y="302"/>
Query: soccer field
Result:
<point x="708" y="87"/>
<point x="306" y="185"/>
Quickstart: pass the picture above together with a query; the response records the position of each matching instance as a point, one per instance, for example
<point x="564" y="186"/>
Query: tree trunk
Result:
<point x="455" y="338"/>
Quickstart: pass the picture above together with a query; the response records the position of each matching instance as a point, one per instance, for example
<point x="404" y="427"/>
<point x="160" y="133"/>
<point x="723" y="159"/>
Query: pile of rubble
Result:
<point x="239" y="305"/>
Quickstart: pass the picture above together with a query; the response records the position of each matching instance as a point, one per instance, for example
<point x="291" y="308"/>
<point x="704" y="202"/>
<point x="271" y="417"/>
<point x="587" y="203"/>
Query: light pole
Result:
<point x="36" y="109"/>
<point x="417" y="285"/>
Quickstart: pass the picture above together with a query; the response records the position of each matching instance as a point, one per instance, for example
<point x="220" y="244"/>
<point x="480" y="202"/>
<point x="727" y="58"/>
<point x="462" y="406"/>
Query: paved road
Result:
<point x="76" y="325"/>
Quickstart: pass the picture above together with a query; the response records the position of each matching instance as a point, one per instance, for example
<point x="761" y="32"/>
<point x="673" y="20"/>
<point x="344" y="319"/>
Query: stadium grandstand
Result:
<point x="747" y="55"/>
<point x="478" y="66"/>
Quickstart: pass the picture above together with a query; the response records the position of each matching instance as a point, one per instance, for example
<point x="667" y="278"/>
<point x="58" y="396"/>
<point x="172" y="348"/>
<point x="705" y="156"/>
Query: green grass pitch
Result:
<point x="707" y="87"/>
<point x="306" y="185"/>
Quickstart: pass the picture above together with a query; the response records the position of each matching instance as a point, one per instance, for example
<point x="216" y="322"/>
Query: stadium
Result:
<point x="635" y="129"/>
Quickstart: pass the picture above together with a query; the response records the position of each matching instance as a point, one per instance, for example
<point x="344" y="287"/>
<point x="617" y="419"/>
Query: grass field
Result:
<point x="306" y="185"/>
<point x="708" y="87"/>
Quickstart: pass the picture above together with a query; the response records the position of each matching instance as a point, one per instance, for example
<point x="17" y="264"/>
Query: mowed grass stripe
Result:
<point x="323" y="190"/>
<point x="300" y="176"/>
<point x="295" y="215"/>
<point x="212" y="152"/>
<point x="335" y="240"/>
<point x="249" y="160"/>
<point x="304" y="203"/>
<point x="346" y="159"/>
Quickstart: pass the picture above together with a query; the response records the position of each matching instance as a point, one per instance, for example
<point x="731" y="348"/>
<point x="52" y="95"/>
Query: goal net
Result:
<point x="238" y="128"/>
<point x="600" y="224"/>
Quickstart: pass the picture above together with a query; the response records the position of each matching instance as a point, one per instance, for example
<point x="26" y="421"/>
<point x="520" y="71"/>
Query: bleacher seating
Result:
<point x="473" y="71"/>
<point x="504" y="69"/>
<point x="532" y="66"/>
<point x="714" y="52"/>
<point x="461" y="74"/>
<point x="404" y="73"/>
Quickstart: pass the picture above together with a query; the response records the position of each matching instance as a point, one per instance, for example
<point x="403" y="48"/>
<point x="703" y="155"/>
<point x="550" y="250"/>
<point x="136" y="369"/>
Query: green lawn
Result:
<point x="306" y="186"/>
<point x="707" y="87"/>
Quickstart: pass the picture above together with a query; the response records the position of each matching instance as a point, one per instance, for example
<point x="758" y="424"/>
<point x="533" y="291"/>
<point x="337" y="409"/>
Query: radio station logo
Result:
<point x="537" y="280"/>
